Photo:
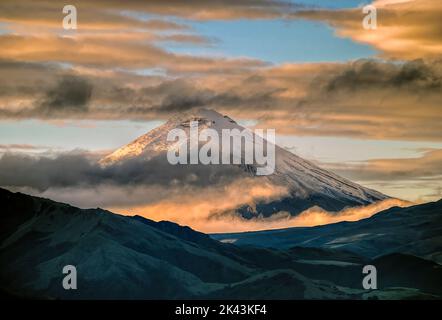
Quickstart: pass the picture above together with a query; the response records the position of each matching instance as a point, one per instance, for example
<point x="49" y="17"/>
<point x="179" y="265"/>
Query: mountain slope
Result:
<point x="307" y="185"/>
<point x="115" y="256"/>
<point x="112" y="253"/>
<point x="121" y="257"/>
<point x="415" y="230"/>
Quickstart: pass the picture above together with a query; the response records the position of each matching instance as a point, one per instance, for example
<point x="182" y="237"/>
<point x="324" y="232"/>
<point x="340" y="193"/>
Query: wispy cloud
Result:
<point x="199" y="214"/>
<point x="428" y="166"/>
<point x="406" y="29"/>
<point x="115" y="13"/>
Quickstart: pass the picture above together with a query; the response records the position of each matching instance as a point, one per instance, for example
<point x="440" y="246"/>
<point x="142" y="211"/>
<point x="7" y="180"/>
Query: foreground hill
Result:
<point x="121" y="257"/>
<point x="415" y="230"/>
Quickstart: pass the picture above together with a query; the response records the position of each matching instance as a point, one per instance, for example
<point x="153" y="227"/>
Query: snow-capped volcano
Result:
<point x="155" y="141"/>
<point x="307" y="184"/>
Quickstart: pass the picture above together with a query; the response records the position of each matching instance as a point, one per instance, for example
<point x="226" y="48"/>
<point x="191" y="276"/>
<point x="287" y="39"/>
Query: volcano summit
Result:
<point x="307" y="185"/>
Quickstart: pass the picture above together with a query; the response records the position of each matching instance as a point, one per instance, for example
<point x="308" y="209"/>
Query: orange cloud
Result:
<point x="424" y="167"/>
<point x="405" y="29"/>
<point x="196" y="214"/>
<point x="195" y="206"/>
<point x="108" y="13"/>
<point x="124" y="51"/>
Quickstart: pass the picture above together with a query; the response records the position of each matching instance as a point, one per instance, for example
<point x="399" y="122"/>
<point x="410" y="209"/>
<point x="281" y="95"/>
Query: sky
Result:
<point x="365" y="104"/>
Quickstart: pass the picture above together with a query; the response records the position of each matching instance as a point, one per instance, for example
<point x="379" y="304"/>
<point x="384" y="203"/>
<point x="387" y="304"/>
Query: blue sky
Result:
<point x="334" y="4"/>
<point x="67" y="135"/>
<point x="275" y="41"/>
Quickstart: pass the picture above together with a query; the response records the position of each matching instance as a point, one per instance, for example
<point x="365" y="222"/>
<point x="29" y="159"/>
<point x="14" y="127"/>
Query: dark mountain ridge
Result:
<point x="121" y="257"/>
<point x="415" y="230"/>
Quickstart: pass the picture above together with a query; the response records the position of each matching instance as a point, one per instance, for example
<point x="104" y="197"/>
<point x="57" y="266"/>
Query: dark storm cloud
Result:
<point x="25" y="79"/>
<point x="365" y="99"/>
<point x="179" y="95"/>
<point x="72" y="93"/>
<point x="56" y="93"/>
<point x="42" y="90"/>
<point x="76" y="170"/>
<point x="370" y="74"/>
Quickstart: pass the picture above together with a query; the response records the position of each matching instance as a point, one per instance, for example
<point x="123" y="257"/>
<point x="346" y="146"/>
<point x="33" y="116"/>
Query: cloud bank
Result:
<point x="189" y="195"/>
<point x="352" y="99"/>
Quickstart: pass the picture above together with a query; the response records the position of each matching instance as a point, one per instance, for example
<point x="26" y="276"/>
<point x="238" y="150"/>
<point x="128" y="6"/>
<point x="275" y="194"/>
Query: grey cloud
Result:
<point x="75" y="170"/>
<point x="371" y="74"/>
<point x="23" y="146"/>
<point x="26" y="79"/>
<point x="180" y="95"/>
<point x="43" y="90"/>
<point x="341" y="99"/>
<point x="71" y="93"/>
<point x="427" y="167"/>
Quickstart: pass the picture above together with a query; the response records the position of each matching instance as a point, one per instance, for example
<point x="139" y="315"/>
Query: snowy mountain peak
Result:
<point x="308" y="184"/>
<point x="155" y="141"/>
